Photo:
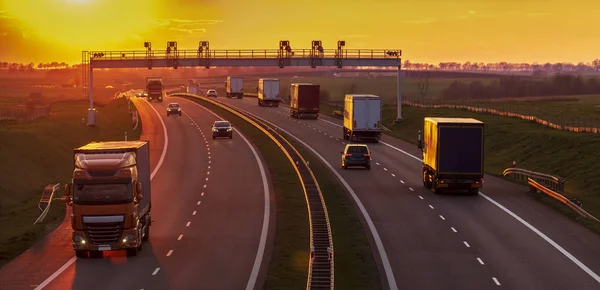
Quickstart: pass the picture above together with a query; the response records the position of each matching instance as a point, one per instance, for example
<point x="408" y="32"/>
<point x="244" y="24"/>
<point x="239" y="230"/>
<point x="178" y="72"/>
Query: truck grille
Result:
<point x="103" y="233"/>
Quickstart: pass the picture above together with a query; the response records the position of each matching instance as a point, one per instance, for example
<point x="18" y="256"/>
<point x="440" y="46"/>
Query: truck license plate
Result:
<point x="103" y="248"/>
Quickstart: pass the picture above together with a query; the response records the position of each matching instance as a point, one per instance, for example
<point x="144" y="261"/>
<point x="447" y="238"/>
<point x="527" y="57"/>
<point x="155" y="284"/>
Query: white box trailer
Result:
<point x="234" y="87"/>
<point x="192" y="89"/>
<point x="268" y="92"/>
<point x="362" y="117"/>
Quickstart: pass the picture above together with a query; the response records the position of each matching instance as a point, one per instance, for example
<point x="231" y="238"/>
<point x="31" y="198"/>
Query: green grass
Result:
<point x="355" y="265"/>
<point x="40" y="152"/>
<point x="573" y="156"/>
<point x="288" y="268"/>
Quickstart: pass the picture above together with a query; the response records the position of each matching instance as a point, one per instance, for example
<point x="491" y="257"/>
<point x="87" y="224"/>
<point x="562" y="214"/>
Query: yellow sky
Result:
<point x="426" y="30"/>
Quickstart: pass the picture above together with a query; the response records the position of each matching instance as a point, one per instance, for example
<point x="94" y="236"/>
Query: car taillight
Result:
<point x="348" y="155"/>
<point x="367" y="155"/>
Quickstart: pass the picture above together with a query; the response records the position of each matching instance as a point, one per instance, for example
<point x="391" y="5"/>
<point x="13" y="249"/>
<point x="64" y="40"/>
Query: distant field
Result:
<point x="573" y="156"/>
<point x="37" y="153"/>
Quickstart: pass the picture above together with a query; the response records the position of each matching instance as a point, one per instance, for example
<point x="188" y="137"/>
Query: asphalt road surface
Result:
<point x="500" y="239"/>
<point x="210" y="218"/>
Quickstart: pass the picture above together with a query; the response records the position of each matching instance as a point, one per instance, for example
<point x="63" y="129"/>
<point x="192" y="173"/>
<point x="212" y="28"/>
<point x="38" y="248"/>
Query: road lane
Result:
<point x="516" y="255"/>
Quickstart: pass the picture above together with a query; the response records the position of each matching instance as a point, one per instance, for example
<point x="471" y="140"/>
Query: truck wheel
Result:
<point x="474" y="192"/>
<point x="147" y="230"/>
<point x="426" y="183"/>
<point x="81" y="254"/>
<point x="368" y="166"/>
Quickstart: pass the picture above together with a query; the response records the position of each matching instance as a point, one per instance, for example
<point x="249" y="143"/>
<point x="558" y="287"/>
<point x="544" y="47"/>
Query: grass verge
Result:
<point x="289" y="259"/>
<point x="573" y="156"/>
<point x="39" y="152"/>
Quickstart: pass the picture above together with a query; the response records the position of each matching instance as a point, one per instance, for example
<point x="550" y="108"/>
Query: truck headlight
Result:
<point x="178" y="109"/>
<point x="214" y="129"/>
<point x="78" y="240"/>
<point x="128" y="238"/>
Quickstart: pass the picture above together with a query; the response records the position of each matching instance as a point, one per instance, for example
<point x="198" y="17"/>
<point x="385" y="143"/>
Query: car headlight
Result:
<point x="229" y="129"/>
<point x="214" y="129"/>
<point x="128" y="238"/>
<point x="178" y="109"/>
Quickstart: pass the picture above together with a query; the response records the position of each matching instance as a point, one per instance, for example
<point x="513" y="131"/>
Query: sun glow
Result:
<point x="86" y="24"/>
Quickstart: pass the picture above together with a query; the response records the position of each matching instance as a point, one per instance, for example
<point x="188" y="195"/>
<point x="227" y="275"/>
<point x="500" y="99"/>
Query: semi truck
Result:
<point x="452" y="154"/>
<point x="192" y="89"/>
<point x="234" y="87"/>
<point x="268" y="92"/>
<point x="304" y="100"/>
<point x="362" y="117"/>
<point x="111" y="197"/>
<point x="155" y="88"/>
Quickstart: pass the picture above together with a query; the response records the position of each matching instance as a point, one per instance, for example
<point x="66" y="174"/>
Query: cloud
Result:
<point x="5" y="15"/>
<point x="191" y="30"/>
<point x="185" y="22"/>
<point x="353" y="36"/>
<point x="421" y="21"/>
<point x="471" y="12"/>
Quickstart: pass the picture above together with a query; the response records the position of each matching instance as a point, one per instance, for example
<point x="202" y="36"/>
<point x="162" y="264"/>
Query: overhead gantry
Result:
<point x="317" y="56"/>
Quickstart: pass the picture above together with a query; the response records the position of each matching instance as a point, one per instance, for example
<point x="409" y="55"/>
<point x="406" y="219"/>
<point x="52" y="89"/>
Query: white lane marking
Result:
<point x="509" y="212"/>
<point x="378" y="243"/>
<point x="208" y="172"/>
<point x="442" y="217"/>
<point x="420" y="197"/>
<point x="385" y="169"/>
<point x="180" y="237"/>
<point x="169" y="253"/>
<point x="394" y="175"/>
<point x="206" y="180"/>
<point x="199" y="202"/>
<point x="377" y="163"/>
<point x="194" y="213"/>
<point x="202" y="194"/>
<point x="454" y="230"/>
<point x="466" y="244"/>
<point x="496" y="281"/>
<point x="411" y="189"/>
<point x="265" y="227"/>
<point x="209" y="167"/>
<point x="402" y="181"/>
<point x="208" y="152"/>
<point x="154" y="172"/>
<point x="431" y="206"/>
<point x="209" y="160"/>
<point x="155" y="271"/>
<point x="188" y="224"/>
<point x="205" y="186"/>
<point x="480" y="261"/>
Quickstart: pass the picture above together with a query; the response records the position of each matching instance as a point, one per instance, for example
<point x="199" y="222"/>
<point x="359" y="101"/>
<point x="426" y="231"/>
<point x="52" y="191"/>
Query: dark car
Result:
<point x="356" y="155"/>
<point x="173" y="109"/>
<point x="222" y="129"/>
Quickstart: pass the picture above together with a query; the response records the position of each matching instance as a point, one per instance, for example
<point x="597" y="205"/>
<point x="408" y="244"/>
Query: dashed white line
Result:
<point x="431" y="206"/>
<point x="208" y="172"/>
<point x="496" y="281"/>
<point x="206" y="180"/>
<point x="209" y="167"/>
<point x="188" y="224"/>
<point x="402" y="181"/>
<point x="199" y="202"/>
<point x="385" y="169"/>
<point x="194" y="213"/>
<point x="205" y="186"/>
<point x="209" y="153"/>
<point x="394" y="175"/>
<point x="411" y="189"/>
<point x="466" y="244"/>
<point x="442" y="217"/>
<point x="155" y="271"/>
<point x="180" y="237"/>
<point x="420" y="197"/>
<point x="209" y="160"/>
<point x="330" y="136"/>
<point x="209" y="157"/>
<point x="454" y="230"/>
<point x="169" y="253"/>
<point x="377" y="163"/>
<point x="202" y="194"/>
<point x="480" y="261"/>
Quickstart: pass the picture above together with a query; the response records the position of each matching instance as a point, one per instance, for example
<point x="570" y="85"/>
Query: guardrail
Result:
<point x="553" y="186"/>
<point x="321" y="261"/>
<point x="46" y="201"/>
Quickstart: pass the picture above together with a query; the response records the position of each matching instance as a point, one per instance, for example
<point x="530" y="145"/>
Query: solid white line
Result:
<point x="466" y="244"/>
<point x="265" y="227"/>
<point x="509" y="212"/>
<point x="480" y="261"/>
<point x="431" y="206"/>
<point x="378" y="243"/>
<point x="180" y="237"/>
<point x="420" y="197"/>
<point x="496" y="281"/>
<point x="155" y="271"/>
<point x="442" y="217"/>
<point x="454" y="230"/>
<point x="194" y="213"/>
<point x="169" y="253"/>
<point x="158" y="165"/>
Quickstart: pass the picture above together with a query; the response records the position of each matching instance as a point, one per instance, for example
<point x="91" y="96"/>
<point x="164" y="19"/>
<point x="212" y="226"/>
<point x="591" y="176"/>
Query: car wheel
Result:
<point x="230" y="136"/>
<point x="214" y="137"/>
<point x="368" y="166"/>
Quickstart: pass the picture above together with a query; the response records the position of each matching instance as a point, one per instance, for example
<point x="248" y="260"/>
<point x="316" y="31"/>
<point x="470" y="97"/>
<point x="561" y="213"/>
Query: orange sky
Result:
<point x="426" y="30"/>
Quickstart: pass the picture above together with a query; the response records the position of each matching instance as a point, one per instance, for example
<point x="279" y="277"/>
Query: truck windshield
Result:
<point x="116" y="193"/>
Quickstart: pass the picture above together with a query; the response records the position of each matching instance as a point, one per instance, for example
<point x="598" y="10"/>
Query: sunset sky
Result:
<point x="426" y="30"/>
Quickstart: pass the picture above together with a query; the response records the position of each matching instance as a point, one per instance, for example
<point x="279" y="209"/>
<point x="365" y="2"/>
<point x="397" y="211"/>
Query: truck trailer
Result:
<point x="362" y="117"/>
<point x="304" y="100"/>
<point x="268" y="92"/>
<point x="111" y="197"/>
<point x="452" y="154"/>
<point x="235" y="87"/>
<point x="155" y="88"/>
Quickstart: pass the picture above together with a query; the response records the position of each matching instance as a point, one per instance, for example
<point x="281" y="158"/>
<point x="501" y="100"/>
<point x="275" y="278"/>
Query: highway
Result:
<point x="499" y="239"/>
<point x="210" y="218"/>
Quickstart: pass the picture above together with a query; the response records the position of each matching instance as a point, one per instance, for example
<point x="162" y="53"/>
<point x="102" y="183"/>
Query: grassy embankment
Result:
<point x="354" y="265"/>
<point x="40" y="152"/>
<point x="573" y="156"/>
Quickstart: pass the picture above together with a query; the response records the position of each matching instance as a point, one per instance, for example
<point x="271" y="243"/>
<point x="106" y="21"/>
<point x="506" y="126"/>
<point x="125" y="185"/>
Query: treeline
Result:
<point x="516" y="86"/>
<point x="593" y="65"/>
<point x="32" y="66"/>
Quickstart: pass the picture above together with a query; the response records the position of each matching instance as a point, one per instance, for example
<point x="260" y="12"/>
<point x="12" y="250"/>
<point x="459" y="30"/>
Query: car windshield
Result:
<point x="357" y="149"/>
<point x="116" y="193"/>
<point x="173" y="105"/>
<point x="222" y="124"/>
<point x="211" y="91"/>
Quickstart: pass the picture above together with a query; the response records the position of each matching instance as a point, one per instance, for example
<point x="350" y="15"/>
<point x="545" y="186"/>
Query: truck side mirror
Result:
<point x="420" y="145"/>
<point x="138" y="187"/>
